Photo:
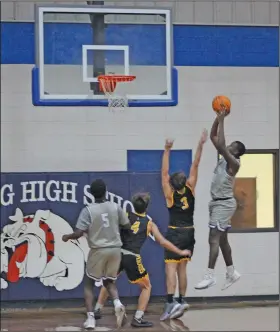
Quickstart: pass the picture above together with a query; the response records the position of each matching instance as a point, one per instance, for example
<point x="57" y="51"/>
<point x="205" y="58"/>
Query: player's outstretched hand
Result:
<point x="204" y="136"/>
<point x="65" y="238"/>
<point x="169" y="143"/>
<point x="187" y="253"/>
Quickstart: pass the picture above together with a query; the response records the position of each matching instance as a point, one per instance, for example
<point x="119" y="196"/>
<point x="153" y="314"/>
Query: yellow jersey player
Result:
<point x="179" y="194"/>
<point x="131" y="262"/>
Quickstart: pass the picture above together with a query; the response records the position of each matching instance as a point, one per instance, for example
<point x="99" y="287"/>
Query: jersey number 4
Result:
<point x="135" y="227"/>
<point x="185" y="204"/>
<point x="105" y="220"/>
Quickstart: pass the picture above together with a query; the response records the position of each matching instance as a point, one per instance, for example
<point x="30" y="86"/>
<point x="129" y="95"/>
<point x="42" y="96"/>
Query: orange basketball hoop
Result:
<point x="108" y="84"/>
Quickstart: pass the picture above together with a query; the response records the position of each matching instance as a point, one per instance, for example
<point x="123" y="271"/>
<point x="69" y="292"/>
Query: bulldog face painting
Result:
<point x="31" y="247"/>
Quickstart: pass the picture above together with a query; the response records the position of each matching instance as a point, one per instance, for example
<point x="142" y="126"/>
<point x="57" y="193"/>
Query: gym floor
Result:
<point x="233" y="319"/>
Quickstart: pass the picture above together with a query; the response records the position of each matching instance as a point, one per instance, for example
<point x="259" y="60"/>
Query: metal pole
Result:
<point x="98" y="38"/>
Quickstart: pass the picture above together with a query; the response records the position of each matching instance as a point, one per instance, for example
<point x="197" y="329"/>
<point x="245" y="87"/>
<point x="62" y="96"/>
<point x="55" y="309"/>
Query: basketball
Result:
<point x="219" y="102"/>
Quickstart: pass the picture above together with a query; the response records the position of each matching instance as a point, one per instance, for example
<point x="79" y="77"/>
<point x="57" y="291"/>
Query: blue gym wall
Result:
<point x="193" y="45"/>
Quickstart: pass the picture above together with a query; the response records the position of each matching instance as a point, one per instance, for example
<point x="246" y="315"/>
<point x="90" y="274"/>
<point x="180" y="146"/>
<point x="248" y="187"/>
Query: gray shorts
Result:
<point x="103" y="263"/>
<point x="221" y="212"/>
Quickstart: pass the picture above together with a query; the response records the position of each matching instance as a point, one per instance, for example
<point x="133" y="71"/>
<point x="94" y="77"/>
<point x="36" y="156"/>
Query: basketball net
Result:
<point x="108" y="84"/>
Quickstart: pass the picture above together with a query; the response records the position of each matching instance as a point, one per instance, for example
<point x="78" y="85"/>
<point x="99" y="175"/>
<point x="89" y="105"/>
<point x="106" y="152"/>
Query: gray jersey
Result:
<point x="101" y="222"/>
<point x="222" y="183"/>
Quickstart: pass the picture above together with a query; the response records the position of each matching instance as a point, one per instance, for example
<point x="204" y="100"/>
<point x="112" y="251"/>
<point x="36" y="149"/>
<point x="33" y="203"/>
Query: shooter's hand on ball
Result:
<point x="221" y="115"/>
<point x="169" y="144"/>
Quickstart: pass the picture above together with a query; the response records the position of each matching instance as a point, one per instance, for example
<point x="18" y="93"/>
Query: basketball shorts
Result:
<point x="183" y="238"/>
<point x="221" y="212"/>
<point x="103" y="263"/>
<point x="132" y="265"/>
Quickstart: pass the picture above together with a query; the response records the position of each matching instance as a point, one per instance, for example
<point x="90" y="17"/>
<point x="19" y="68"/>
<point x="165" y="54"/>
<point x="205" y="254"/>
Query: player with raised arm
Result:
<point x="179" y="194"/>
<point x="131" y="262"/>
<point x="223" y="204"/>
<point x="101" y="221"/>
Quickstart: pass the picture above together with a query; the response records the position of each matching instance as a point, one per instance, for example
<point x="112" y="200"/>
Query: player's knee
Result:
<point x="145" y="285"/>
<point x="182" y="272"/>
<point x="213" y="241"/>
<point x="224" y="245"/>
<point x="88" y="290"/>
<point x="171" y="275"/>
<point x="107" y="282"/>
<point x="214" y="238"/>
<point x="223" y="241"/>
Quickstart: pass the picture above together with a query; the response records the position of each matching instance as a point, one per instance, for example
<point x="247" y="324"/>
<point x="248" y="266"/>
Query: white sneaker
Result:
<point x="180" y="312"/>
<point x="208" y="281"/>
<point x="90" y="322"/>
<point x="121" y="315"/>
<point x="231" y="279"/>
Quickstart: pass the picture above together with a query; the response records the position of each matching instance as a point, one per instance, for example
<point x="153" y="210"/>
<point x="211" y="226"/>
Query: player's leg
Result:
<point x="103" y="296"/>
<point x="89" y="293"/>
<point x="112" y="256"/>
<point x="214" y="244"/>
<point x="221" y="213"/>
<point x="171" y="305"/>
<point x="137" y="274"/>
<point x="182" y="279"/>
<point x="182" y="283"/>
<point x="94" y="271"/>
<point x="102" y="299"/>
<point x="186" y="241"/>
<point x="171" y="264"/>
<point x="89" y="297"/>
<point x="119" y="307"/>
<point x="143" y="301"/>
<point x="226" y="212"/>
<point x="232" y="275"/>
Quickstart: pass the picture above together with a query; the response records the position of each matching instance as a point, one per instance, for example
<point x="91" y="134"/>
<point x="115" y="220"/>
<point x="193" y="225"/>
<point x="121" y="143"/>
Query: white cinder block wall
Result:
<point x="92" y="139"/>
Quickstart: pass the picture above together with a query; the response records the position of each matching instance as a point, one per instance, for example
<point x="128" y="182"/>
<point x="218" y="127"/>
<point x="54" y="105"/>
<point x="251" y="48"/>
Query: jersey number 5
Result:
<point x="135" y="227"/>
<point x="185" y="203"/>
<point x="105" y="220"/>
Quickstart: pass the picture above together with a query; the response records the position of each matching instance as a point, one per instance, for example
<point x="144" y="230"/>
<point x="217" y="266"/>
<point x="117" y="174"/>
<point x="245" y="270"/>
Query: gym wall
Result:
<point x="56" y="152"/>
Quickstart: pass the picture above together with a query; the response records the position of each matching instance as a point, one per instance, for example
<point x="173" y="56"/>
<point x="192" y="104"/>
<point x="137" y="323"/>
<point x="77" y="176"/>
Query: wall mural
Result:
<point x="37" y="209"/>
<point x="31" y="247"/>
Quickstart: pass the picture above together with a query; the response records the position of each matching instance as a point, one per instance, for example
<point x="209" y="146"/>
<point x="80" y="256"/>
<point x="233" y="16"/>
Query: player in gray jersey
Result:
<point x="101" y="221"/>
<point x="223" y="204"/>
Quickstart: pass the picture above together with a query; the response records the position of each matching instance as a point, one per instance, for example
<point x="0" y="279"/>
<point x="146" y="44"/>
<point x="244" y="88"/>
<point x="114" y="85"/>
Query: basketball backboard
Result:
<point x="76" y="44"/>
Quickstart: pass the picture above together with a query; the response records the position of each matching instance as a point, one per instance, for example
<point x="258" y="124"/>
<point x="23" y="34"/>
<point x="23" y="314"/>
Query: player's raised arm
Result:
<point x="214" y="132"/>
<point x="167" y="190"/>
<point x="232" y="162"/>
<point x="153" y="229"/>
<point x="192" y="179"/>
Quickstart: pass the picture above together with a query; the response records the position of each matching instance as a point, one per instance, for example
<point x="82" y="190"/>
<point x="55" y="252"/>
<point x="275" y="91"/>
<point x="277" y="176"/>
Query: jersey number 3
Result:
<point x="185" y="204"/>
<point x="105" y="220"/>
<point x="135" y="227"/>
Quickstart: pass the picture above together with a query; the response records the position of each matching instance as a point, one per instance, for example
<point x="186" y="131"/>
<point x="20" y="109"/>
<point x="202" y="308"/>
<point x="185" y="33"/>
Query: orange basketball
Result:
<point x="219" y="102"/>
